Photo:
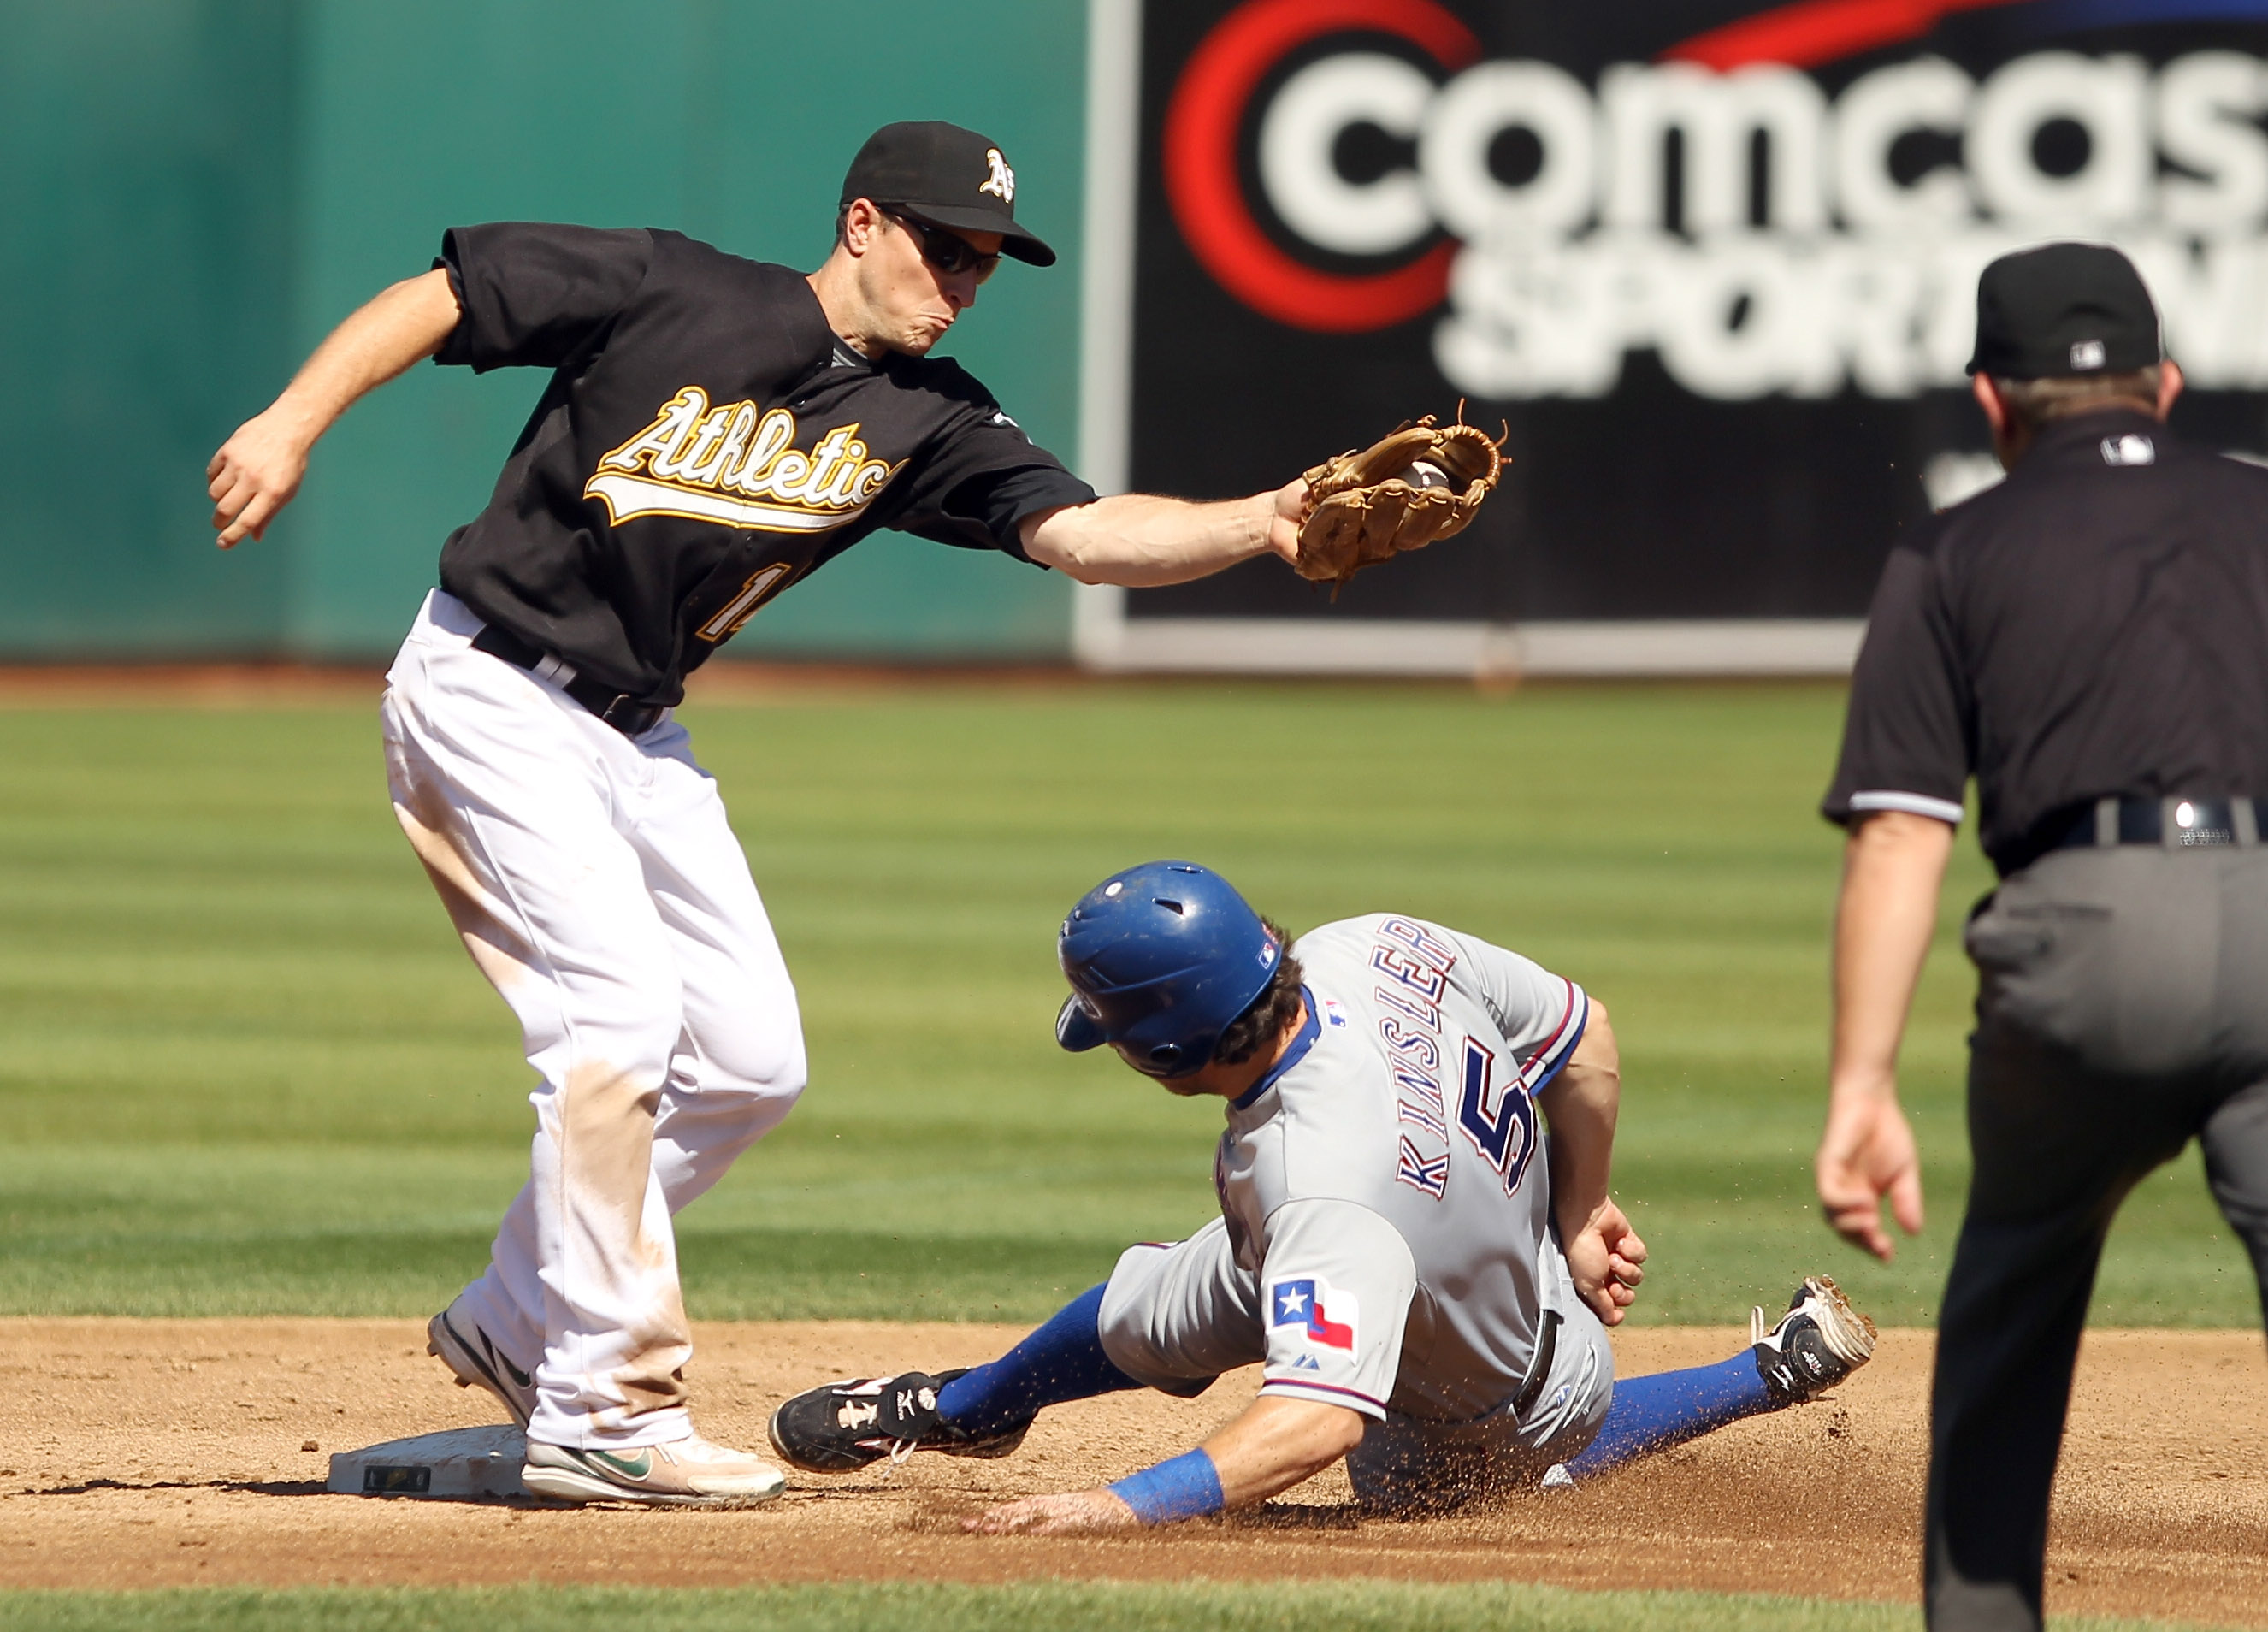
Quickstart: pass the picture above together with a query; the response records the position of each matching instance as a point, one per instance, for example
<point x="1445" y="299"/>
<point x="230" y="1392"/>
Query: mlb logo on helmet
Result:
<point x="1308" y="1301"/>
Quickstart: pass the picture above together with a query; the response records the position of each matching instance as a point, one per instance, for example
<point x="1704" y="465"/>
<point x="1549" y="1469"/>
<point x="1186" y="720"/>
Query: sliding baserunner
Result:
<point x="1425" y="1277"/>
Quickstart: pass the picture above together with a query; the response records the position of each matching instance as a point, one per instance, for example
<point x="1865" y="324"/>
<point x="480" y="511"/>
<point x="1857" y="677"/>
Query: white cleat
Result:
<point x="684" y="1472"/>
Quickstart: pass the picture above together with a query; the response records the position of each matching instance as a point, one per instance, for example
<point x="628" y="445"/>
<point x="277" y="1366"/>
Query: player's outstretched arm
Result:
<point x="1893" y="865"/>
<point x="1276" y="1444"/>
<point x="257" y="470"/>
<point x="1142" y="540"/>
<point x="1604" y="1254"/>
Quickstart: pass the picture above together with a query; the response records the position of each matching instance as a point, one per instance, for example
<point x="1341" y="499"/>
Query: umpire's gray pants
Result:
<point x="1175" y="1315"/>
<point x="2122" y="1010"/>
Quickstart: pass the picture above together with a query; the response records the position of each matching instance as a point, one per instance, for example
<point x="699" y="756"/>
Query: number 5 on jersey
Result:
<point x="1501" y="1127"/>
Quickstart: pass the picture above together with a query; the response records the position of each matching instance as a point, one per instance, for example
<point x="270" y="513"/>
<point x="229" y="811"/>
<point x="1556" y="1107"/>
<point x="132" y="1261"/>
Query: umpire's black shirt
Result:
<point x="2096" y="623"/>
<point x="705" y="441"/>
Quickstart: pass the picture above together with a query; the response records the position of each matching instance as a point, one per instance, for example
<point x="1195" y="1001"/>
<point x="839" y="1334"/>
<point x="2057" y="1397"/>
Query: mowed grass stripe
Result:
<point x="250" y="1070"/>
<point x="1050" y="1607"/>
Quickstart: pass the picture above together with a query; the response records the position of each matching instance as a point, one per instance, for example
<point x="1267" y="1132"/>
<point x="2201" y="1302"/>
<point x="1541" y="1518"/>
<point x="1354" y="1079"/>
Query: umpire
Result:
<point x="2089" y="640"/>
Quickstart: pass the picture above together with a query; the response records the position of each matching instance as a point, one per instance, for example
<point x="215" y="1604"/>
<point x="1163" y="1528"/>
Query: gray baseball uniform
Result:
<point x="1385" y="1239"/>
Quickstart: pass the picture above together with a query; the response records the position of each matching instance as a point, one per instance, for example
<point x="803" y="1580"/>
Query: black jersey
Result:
<point x="2096" y="624"/>
<point x="704" y="442"/>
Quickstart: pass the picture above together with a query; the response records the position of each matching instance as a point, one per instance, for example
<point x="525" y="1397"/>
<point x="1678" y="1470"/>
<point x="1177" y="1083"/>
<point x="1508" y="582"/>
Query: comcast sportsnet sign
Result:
<point x="1713" y="264"/>
<point x="1713" y="199"/>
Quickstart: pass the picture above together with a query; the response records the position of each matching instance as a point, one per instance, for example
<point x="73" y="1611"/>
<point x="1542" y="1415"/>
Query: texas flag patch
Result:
<point x="1309" y="1301"/>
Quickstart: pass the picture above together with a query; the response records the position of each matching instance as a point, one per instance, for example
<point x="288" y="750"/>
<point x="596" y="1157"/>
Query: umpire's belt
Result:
<point x="618" y="709"/>
<point x="2171" y="824"/>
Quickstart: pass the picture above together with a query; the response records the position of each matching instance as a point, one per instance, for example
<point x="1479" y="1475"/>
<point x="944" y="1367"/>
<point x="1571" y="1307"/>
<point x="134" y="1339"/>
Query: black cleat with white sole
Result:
<point x="1821" y="1341"/>
<point x="844" y="1426"/>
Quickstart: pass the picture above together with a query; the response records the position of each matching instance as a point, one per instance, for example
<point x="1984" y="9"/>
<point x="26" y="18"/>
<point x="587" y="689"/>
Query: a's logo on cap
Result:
<point x="2086" y="355"/>
<point x="1002" y="181"/>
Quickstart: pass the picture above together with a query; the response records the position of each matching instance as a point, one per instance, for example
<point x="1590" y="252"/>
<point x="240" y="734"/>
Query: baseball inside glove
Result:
<point x="1423" y="482"/>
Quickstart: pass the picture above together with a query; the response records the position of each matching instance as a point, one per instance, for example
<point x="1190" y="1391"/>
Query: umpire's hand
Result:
<point x="1867" y="1153"/>
<point x="1893" y="870"/>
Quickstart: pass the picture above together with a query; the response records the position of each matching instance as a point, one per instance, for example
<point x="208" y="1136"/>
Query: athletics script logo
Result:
<point x="736" y="464"/>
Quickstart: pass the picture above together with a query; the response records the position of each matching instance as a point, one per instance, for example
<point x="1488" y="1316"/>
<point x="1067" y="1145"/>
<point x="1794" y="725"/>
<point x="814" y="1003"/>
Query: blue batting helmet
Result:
<point x="1161" y="958"/>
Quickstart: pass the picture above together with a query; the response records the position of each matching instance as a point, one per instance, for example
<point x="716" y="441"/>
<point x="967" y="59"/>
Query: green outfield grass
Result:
<point x="1091" y="1607"/>
<point x="250" y="1070"/>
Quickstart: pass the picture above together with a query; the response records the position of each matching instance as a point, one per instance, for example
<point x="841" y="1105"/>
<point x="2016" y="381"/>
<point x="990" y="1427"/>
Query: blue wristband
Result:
<point x="1183" y="1487"/>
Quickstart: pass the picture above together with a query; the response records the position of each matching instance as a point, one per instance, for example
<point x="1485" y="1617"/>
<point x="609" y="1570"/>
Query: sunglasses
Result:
<point x="948" y="252"/>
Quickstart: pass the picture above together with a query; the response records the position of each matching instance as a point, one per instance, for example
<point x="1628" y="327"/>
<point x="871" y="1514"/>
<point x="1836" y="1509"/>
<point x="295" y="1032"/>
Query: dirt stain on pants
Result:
<point x="497" y="948"/>
<point x="606" y="1158"/>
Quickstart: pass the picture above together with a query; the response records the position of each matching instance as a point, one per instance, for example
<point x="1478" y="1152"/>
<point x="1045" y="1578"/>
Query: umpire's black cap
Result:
<point x="946" y="174"/>
<point x="2063" y="309"/>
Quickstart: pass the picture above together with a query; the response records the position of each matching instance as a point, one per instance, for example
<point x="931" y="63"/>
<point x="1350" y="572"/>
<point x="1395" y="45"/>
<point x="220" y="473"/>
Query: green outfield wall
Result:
<point x="197" y="189"/>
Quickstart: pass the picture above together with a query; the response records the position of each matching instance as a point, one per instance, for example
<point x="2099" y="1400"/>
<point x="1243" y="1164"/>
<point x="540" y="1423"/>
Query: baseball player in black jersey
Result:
<point x="713" y="431"/>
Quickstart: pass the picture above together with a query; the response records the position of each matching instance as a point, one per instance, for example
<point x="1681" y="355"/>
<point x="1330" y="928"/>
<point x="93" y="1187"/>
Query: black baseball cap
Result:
<point x="946" y="174"/>
<point x="2063" y="309"/>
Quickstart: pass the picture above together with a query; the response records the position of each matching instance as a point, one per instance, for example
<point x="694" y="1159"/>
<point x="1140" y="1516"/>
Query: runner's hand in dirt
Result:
<point x="1272" y="1445"/>
<point x="1074" y="1513"/>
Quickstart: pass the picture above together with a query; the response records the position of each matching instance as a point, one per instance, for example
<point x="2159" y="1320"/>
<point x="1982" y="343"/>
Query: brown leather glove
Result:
<point x="1423" y="482"/>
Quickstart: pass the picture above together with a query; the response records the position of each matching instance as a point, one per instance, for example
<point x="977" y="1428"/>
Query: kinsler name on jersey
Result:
<point x="736" y="464"/>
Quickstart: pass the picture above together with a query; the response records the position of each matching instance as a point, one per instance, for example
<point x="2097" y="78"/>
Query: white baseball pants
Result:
<point x="597" y="885"/>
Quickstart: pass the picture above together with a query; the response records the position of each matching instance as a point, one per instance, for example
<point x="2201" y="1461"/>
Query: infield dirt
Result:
<point x="149" y="1453"/>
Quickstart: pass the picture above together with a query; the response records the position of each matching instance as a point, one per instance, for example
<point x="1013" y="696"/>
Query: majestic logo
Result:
<point x="1715" y="205"/>
<point x="736" y="464"/>
<point x="1002" y="181"/>
<point x="1309" y="1302"/>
